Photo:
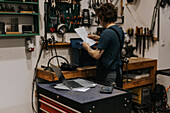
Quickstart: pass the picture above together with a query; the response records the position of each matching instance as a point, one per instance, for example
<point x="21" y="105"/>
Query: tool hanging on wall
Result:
<point x="130" y="33"/>
<point x="121" y="17"/>
<point x="143" y="38"/>
<point x="140" y="39"/>
<point x="63" y="12"/>
<point x="136" y="32"/>
<point x="46" y="12"/>
<point x="144" y="42"/>
<point x="148" y="37"/>
<point x="86" y="17"/>
<point x="156" y="12"/>
<point x="52" y="42"/>
<point x="137" y="37"/>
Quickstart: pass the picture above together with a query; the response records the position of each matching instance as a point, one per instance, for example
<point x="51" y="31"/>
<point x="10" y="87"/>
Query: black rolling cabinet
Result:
<point x="53" y="100"/>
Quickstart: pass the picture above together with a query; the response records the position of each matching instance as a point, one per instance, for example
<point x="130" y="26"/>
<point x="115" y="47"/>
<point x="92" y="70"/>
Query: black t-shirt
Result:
<point x="109" y="42"/>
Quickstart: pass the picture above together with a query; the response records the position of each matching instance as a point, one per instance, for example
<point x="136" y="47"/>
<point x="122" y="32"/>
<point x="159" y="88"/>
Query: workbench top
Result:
<point x="90" y="71"/>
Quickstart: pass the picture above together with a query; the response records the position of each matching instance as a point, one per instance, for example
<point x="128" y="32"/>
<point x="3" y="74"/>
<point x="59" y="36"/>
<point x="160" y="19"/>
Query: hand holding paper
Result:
<point x="83" y="34"/>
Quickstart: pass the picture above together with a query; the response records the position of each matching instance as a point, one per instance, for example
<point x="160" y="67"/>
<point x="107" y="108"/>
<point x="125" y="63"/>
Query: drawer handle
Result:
<point x="52" y="106"/>
<point x="44" y="110"/>
<point x="60" y="103"/>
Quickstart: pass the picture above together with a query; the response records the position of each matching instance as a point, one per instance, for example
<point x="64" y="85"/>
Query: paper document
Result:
<point x="62" y="86"/>
<point x="83" y="34"/>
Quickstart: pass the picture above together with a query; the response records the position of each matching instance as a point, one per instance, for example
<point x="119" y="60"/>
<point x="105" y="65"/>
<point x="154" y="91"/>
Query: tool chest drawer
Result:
<point x="48" y="105"/>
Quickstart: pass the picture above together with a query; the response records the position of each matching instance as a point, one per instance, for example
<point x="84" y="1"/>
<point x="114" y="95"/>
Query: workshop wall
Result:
<point x="164" y="43"/>
<point x="17" y="65"/>
<point x="140" y="14"/>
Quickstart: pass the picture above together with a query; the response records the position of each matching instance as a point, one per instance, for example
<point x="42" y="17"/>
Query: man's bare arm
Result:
<point x="96" y="54"/>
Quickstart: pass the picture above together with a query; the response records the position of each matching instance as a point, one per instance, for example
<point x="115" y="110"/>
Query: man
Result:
<point x="108" y="48"/>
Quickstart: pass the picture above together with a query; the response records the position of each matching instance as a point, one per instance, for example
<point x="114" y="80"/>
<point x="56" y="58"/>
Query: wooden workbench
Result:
<point x="89" y="71"/>
<point x="141" y="63"/>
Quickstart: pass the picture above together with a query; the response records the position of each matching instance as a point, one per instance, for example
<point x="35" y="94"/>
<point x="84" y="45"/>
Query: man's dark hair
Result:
<point x="108" y="11"/>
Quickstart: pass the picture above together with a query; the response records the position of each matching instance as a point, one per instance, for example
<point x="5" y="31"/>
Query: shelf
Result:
<point x="60" y="45"/>
<point x="20" y="13"/>
<point x="63" y="45"/>
<point x="138" y="82"/>
<point x="16" y="13"/>
<point x="147" y="35"/>
<point x="17" y="2"/>
<point x="9" y="35"/>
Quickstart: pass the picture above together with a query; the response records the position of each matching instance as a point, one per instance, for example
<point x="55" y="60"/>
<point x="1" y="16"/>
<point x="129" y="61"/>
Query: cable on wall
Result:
<point x="35" y="74"/>
<point x="156" y="12"/>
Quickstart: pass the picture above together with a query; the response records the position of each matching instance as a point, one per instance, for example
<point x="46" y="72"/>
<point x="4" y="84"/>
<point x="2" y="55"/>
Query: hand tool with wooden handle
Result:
<point x="148" y="37"/>
<point x="144" y="42"/>
<point x="140" y="39"/>
<point x="137" y="38"/>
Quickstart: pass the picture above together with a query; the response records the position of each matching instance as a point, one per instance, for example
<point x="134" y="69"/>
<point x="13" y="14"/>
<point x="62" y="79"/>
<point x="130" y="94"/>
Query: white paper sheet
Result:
<point x="62" y="86"/>
<point x="83" y="34"/>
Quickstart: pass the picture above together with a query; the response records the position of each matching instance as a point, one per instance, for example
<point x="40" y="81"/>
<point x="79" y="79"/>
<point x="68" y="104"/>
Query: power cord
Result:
<point x="48" y="64"/>
<point x="35" y="73"/>
<point x="50" y="42"/>
<point x="66" y="66"/>
<point x="53" y="39"/>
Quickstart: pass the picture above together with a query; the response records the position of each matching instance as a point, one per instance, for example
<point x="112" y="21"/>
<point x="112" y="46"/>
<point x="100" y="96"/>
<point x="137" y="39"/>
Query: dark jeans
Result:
<point x="115" y="78"/>
<point x="109" y="78"/>
<point x="119" y="78"/>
